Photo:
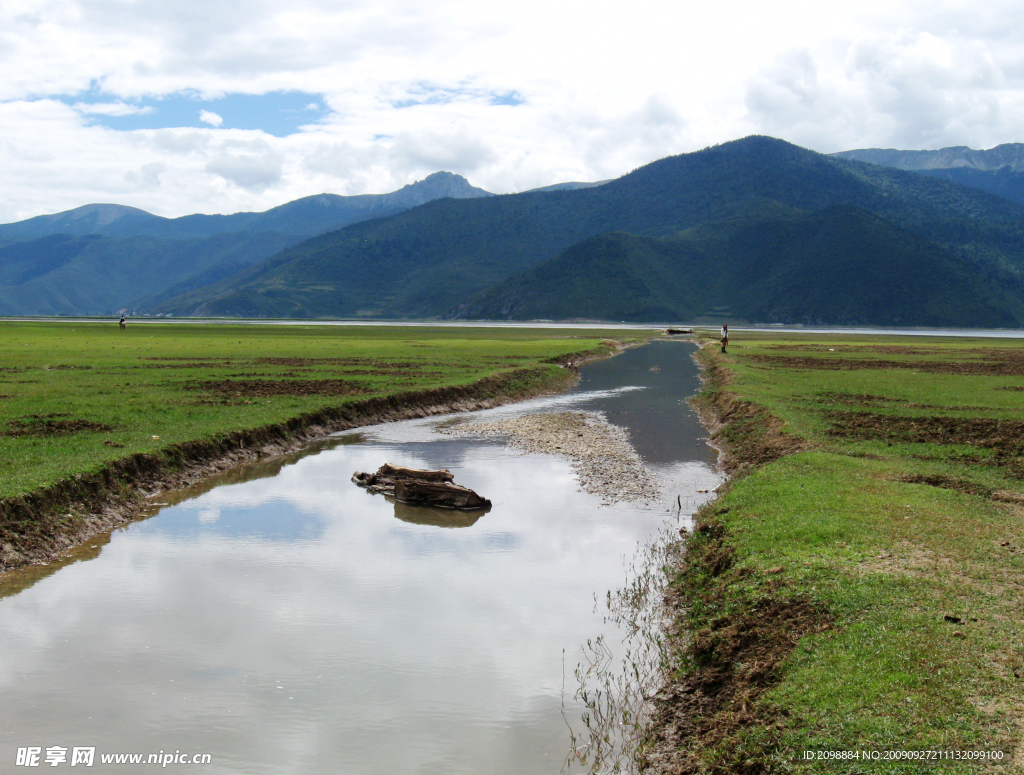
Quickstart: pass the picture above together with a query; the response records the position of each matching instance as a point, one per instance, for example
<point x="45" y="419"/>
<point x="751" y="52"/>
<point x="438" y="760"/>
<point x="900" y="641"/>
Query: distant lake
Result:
<point x="1015" y="333"/>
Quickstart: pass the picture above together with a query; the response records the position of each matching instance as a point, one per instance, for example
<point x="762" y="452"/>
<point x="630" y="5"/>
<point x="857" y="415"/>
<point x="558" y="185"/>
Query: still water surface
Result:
<point x="285" y="621"/>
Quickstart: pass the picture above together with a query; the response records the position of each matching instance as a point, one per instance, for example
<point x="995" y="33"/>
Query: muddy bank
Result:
<point x="601" y="454"/>
<point x="38" y="527"/>
<point x="721" y="664"/>
<point x="1004" y="367"/>
<point x="745" y="435"/>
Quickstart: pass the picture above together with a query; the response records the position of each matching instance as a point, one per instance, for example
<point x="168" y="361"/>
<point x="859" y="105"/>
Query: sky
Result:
<point x="219" y="106"/>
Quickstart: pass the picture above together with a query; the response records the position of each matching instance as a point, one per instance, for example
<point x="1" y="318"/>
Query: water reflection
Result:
<point x="427" y="515"/>
<point x="286" y="622"/>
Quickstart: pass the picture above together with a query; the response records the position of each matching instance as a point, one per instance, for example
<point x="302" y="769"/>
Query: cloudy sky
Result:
<point x="225" y="105"/>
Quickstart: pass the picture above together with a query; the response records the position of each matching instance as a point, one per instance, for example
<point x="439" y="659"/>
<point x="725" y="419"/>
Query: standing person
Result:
<point x="122" y="324"/>
<point x="725" y="336"/>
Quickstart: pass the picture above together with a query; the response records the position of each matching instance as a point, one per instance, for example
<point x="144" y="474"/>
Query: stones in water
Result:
<point x="421" y="487"/>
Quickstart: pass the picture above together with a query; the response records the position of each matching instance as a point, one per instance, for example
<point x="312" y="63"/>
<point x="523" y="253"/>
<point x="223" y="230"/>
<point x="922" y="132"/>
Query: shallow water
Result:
<point x="285" y="621"/>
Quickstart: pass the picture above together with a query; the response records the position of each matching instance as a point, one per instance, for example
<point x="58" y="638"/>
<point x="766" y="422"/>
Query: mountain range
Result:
<point x="728" y="232"/>
<point x="998" y="170"/>
<point x="104" y="258"/>
<point x="755" y="230"/>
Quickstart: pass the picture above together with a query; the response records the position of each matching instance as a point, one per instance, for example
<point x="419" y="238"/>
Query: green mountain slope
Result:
<point x="842" y="266"/>
<point x="302" y="217"/>
<point x="425" y="261"/>
<point x="1003" y="182"/>
<point x="998" y="170"/>
<point x="93" y="274"/>
<point x="58" y="264"/>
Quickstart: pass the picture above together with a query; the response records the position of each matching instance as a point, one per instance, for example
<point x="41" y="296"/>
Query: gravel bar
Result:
<point x="601" y="454"/>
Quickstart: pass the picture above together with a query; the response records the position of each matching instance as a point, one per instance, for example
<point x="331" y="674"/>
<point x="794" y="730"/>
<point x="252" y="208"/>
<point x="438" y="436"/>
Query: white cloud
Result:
<point x="211" y="118"/>
<point x="112" y="109"/>
<point x="903" y="89"/>
<point x="250" y="171"/>
<point x="602" y="90"/>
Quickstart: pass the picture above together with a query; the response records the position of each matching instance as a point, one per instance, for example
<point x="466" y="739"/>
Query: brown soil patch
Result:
<point x="1005" y="436"/>
<point x="983" y="353"/>
<point x="949" y="483"/>
<point x="1015" y="388"/>
<point x="392" y="373"/>
<point x="182" y="358"/>
<point x="867" y="399"/>
<point x="1001" y="353"/>
<point x="35" y="425"/>
<point x="885" y="349"/>
<point x="208" y="364"/>
<point x="1007" y="368"/>
<point x="67" y="367"/>
<point x="370" y="362"/>
<point x="855" y="399"/>
<point x="283" y="387"/>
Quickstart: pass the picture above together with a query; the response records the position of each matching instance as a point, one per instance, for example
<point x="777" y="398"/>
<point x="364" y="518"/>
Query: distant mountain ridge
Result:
<point x="106" y="258"/>
<point x="755" y="230"/>
<point x="998" y="170"/>
<point x="473" y="258"/>
<point x="303" y="217"/>
<point x="1009" y="155"/>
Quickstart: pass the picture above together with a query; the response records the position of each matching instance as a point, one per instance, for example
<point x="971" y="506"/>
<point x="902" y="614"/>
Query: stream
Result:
<point x="283" y="620"/>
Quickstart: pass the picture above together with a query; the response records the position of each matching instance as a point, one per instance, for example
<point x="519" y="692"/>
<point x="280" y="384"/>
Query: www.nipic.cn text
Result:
<point x="56" y="755"/>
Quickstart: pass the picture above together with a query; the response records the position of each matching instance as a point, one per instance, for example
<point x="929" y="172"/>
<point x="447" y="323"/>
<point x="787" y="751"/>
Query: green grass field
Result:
<point x="900" y="524"/>
<point x="74" y="396"/>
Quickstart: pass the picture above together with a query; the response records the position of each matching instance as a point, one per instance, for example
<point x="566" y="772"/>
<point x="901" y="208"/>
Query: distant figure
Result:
<point x="725" y="336"/>
<point x="122" y="324"/>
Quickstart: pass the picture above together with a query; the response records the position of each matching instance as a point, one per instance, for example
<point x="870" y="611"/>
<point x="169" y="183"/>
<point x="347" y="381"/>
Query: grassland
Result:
<point x="77" y="398"/>
<point x="859" y="586"/>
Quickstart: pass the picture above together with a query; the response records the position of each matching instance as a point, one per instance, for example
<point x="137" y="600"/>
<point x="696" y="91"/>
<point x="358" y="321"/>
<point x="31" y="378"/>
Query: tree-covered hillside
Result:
<point x="427" y="261"/>
<point x="102" y="258"/>
<point x="841" y="266"/>
<point x="97" y="275"/>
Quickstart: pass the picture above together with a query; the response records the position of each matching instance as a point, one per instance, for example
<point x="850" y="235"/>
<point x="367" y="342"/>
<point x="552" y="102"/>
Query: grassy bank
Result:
<point x="88" y="410"/>
<point x="859" y="586"/>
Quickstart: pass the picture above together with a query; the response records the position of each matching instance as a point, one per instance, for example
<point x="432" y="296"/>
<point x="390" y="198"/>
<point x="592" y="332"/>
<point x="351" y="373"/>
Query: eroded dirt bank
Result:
<point x="39" y="527"/>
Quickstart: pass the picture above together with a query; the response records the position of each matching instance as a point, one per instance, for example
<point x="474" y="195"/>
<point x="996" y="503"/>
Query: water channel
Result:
<point x="285" y="621"/>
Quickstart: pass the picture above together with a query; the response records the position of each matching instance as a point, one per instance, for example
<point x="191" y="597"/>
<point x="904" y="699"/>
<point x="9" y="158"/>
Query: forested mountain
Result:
<point x="998" y="170"/>
<point x="93" y="274"/>
<point x="302" y="217"/>
<point x="435" y="259"/>
<point x="842" y="266"/>
<point x="102" y="258"/>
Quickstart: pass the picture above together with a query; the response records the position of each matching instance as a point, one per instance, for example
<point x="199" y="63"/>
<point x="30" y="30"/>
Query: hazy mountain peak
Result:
<point x="436" y="185"/>
<point x="87" y="219"/>
<point x="101" y="214"/>
<point x="1007" y="155"/>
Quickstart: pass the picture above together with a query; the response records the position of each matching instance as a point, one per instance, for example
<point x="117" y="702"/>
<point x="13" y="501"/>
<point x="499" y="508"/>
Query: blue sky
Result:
<point x="277" y="113"/>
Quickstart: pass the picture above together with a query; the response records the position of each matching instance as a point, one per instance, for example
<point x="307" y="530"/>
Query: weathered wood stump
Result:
<point x="383" y="480"/>
<point x="420" y="487"/>
<point x="444" y="495"/>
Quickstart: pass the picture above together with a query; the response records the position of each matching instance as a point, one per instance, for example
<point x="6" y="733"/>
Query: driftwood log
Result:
<point x="419" y="487"/>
